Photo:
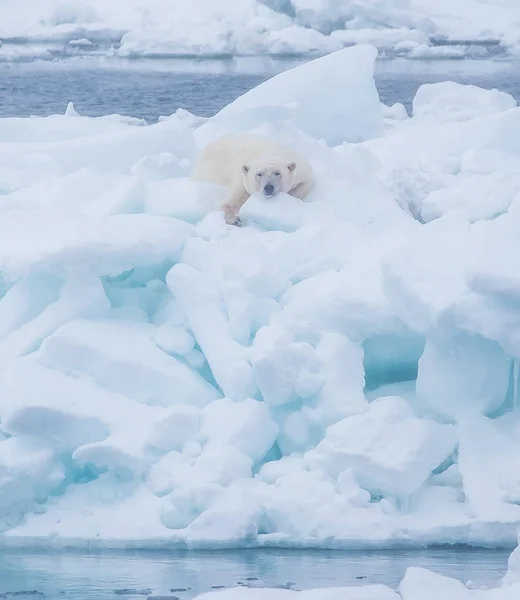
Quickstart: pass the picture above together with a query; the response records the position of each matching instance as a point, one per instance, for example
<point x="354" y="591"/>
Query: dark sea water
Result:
<point x="106" y="575"/>
<point x="149" y="89"/>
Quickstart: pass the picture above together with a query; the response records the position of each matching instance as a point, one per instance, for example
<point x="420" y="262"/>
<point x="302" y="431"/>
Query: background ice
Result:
<point x="342" y="372"/>
<point x="151" y="28"/>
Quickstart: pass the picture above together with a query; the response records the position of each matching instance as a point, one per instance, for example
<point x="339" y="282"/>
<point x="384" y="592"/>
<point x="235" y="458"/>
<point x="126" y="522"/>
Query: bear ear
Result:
<point x="291" y="166"/>
<point x="245" y="168"/>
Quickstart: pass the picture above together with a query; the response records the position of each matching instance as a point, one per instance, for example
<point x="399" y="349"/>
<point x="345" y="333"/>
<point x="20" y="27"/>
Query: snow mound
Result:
<point x="288" y="97"/>
<point x="342" y="372"/>
<point x="450" y="101"/>
<point x="152" y="28"/>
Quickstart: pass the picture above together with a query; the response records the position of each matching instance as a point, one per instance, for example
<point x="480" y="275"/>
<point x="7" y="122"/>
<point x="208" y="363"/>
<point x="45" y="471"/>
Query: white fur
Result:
<point x="246" y="164"/>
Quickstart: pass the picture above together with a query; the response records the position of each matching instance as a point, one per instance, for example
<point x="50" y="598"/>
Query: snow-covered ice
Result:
<point x="342" y="372"/>
<point x="372" y="592"/>
<point x="349" y="117"/>
<point x="153" y="28"/>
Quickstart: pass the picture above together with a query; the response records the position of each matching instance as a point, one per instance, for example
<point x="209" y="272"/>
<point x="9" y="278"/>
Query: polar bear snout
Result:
<point x="269" y="190"/>
<point x="270" y="181"/>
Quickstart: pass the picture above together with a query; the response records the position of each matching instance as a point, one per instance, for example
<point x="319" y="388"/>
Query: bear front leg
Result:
<point x="232" y="205"/>
<point x="301" y="190"/>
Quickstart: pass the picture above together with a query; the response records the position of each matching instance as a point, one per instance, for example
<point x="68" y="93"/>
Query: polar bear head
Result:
<point x="268" y="176"/>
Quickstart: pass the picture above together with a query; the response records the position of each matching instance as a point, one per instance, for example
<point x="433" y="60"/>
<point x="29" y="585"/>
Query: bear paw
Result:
<point x="233" y="219"/>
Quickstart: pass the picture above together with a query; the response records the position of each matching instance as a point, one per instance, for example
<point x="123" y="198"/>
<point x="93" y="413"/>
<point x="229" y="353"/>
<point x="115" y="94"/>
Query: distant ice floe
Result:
<point x="205" y="28"/>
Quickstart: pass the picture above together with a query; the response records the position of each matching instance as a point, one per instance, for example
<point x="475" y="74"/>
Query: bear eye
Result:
<point x="259" y="175"/>
<point x="277" y="174"/>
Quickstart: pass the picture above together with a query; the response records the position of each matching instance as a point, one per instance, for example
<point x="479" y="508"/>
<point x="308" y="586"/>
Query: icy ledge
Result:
<point x="337" y="373"/>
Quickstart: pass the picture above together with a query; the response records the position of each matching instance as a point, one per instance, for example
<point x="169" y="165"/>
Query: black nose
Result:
<point x="269" y="189"/>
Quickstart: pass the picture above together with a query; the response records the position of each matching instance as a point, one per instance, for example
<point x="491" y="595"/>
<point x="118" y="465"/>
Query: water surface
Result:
<point x="149" y="89"/>
<point x="98" y="575"/>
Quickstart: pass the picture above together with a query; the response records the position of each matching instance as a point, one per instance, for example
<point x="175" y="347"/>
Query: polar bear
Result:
<point x="247" y="164"/>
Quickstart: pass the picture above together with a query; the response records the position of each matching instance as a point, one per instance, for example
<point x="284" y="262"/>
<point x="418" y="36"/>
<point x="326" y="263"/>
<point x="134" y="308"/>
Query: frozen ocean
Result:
<point x="321" y="404"/>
